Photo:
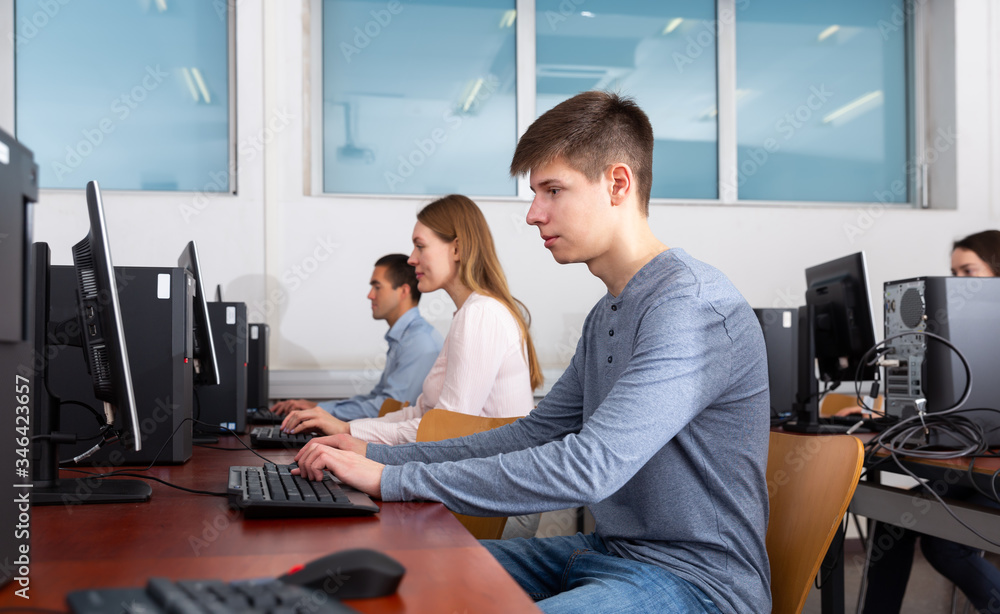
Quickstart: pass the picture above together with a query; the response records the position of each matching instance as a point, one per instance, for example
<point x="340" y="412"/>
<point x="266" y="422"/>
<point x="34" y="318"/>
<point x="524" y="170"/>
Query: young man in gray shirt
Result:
<point x="659" y="424"/>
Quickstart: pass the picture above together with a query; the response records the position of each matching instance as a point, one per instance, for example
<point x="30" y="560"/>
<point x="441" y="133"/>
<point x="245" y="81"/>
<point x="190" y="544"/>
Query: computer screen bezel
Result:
<point x="207" y="363"/>
<point x="102" y="320"/>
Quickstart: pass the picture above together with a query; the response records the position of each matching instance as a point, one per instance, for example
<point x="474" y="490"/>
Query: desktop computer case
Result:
<point x="257" y="384"/>
<point x="156" y="306"/>
<point x="780" y="328"/>
<point x="225" y="405"/>
<point x="966" y="312"/>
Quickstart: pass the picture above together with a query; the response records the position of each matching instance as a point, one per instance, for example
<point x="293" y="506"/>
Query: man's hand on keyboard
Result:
<point x="291" y="405"/>
<point x="344" y="442"/>
<point x="315" y="420"/>
<point x="352" y="469"/>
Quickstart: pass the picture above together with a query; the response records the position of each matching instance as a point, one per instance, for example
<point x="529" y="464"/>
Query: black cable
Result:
<point x="101" y="420"/>
<point x="135" y="473"/>
<point x="240" y="441"/>
<point x="128" y="474"/>
<point x="946" y="507"/>
<point x="972" y="479"/>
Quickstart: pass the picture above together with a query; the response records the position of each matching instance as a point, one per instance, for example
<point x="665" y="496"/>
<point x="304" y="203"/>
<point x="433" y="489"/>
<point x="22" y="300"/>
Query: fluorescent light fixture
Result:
<point x="586" y="14"/>
<point x="856" y="107"/>
<point x="190" y="83"/>
<point x="676" y="21"/>
<point x="825" y="34"/>
<point x="472" y="94"/>
<point x="508" y="18"/>
<point x="201" y="85"/>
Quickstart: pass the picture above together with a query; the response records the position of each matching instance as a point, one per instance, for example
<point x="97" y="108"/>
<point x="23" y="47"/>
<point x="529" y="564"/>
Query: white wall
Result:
<point x="303" y="262"/>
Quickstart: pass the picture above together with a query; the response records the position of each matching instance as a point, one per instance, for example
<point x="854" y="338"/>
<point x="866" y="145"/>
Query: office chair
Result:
<point x="390" y="405"/>
<point x="438" y="424"/>
<point x="835" y="401"/>
<point x="810" y="482"/>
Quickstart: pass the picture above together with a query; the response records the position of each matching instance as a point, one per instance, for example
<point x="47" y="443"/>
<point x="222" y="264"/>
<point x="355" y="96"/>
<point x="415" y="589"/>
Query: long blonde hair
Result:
<point x="457" y="217"/>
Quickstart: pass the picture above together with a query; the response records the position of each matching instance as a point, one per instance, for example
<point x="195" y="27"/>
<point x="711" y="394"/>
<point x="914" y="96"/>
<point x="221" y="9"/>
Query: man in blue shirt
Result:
<point x="659" y="425"/>
<point x="413" y="345"/>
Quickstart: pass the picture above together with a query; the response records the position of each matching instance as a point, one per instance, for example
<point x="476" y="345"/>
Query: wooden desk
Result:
<point x="182" y="535"/>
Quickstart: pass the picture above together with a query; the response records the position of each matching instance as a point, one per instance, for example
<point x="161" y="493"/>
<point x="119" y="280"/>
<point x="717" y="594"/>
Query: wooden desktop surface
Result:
<point x="182" y="535"/>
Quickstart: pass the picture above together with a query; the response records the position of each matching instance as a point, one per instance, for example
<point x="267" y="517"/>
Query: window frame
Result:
<point x="8" y="110"/>
<point x="726" y="148"/>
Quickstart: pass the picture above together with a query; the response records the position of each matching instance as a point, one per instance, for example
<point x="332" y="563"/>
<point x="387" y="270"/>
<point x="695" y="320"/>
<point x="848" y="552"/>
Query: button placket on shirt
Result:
<point x="611" y="333"/>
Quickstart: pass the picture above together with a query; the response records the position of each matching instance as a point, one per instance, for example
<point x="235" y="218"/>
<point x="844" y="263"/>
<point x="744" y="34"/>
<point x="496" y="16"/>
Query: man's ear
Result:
<point x="622" y="183"/>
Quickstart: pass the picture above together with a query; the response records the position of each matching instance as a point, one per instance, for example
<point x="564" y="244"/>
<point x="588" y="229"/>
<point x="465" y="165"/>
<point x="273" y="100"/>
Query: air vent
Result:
<point x="911" y="308"/>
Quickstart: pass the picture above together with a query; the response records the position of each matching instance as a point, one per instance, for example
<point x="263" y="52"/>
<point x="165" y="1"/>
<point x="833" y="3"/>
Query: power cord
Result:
<point x="136" y="473"/>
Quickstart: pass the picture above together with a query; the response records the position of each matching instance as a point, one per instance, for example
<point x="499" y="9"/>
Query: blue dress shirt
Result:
<point x="413" y="346"/>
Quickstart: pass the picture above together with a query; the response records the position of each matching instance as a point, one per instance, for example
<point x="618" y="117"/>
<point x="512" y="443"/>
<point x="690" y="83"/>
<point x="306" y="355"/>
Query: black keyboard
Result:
<point x="263" y="415"/>
<point x="205" y="596"/>
<point x="274" y="437"/>
<point x="272" y="491"/>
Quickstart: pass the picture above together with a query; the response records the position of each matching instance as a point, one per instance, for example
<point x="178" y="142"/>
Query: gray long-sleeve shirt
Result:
<point x="660" y="425"/>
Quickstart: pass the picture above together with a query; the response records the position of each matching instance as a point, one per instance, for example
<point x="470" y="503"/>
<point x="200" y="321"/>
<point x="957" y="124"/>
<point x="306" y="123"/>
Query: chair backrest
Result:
<point x="390" y="405"/>
<point x="835" y="401"/>
<point x="810" y="482"/>
<point x="438" y="424"/>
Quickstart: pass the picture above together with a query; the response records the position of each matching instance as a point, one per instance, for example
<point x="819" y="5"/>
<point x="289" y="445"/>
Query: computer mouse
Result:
<point x="349" y="574"/>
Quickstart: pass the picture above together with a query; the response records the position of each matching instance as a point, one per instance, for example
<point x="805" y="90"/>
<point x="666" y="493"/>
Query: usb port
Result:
<point x="90" y="312"/>
<point x="93" y="330"/>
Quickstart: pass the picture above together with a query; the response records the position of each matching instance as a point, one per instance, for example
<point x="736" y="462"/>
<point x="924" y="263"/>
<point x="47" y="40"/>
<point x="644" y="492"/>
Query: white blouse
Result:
<point x="482" y="370"/>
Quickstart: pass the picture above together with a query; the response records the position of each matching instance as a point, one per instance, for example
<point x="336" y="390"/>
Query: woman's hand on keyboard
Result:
<point x="350" y="468"/>
<point x="291" y="405"/>
<point x="315" y="420"/>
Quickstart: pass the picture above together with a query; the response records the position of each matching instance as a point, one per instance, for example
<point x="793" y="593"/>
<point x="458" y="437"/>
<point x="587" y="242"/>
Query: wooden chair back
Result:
<point x="390" y="405"/>
<point x="835" y="401"/>
<point x="810" y="482"/>
<point x="440" y="424"/>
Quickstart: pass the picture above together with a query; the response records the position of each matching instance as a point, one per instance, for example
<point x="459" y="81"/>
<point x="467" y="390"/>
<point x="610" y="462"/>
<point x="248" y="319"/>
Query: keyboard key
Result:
<point x="170" y="597"/>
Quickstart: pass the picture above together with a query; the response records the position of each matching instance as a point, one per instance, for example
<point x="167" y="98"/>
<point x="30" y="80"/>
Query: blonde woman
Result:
<point x="487" y="366"/>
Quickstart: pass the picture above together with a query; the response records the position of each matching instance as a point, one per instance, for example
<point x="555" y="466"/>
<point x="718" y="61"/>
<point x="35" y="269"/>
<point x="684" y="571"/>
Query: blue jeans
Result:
<point x="578" y="574"/>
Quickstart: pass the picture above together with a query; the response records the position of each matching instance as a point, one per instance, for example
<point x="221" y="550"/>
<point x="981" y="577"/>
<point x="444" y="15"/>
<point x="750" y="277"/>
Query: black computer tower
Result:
<point x="225" y="406"/>
<point x="155" y="304"/>
<point x="257" y="386"/>
<point x="780" y="328"/>
<point x="966" y="312"/>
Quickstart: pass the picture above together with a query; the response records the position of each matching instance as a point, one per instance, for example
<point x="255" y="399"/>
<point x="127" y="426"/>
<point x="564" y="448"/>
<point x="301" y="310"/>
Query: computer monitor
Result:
<point x="836" y="329"/>
<point x="98" y="330"/>
<point x="206" y="366"/>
